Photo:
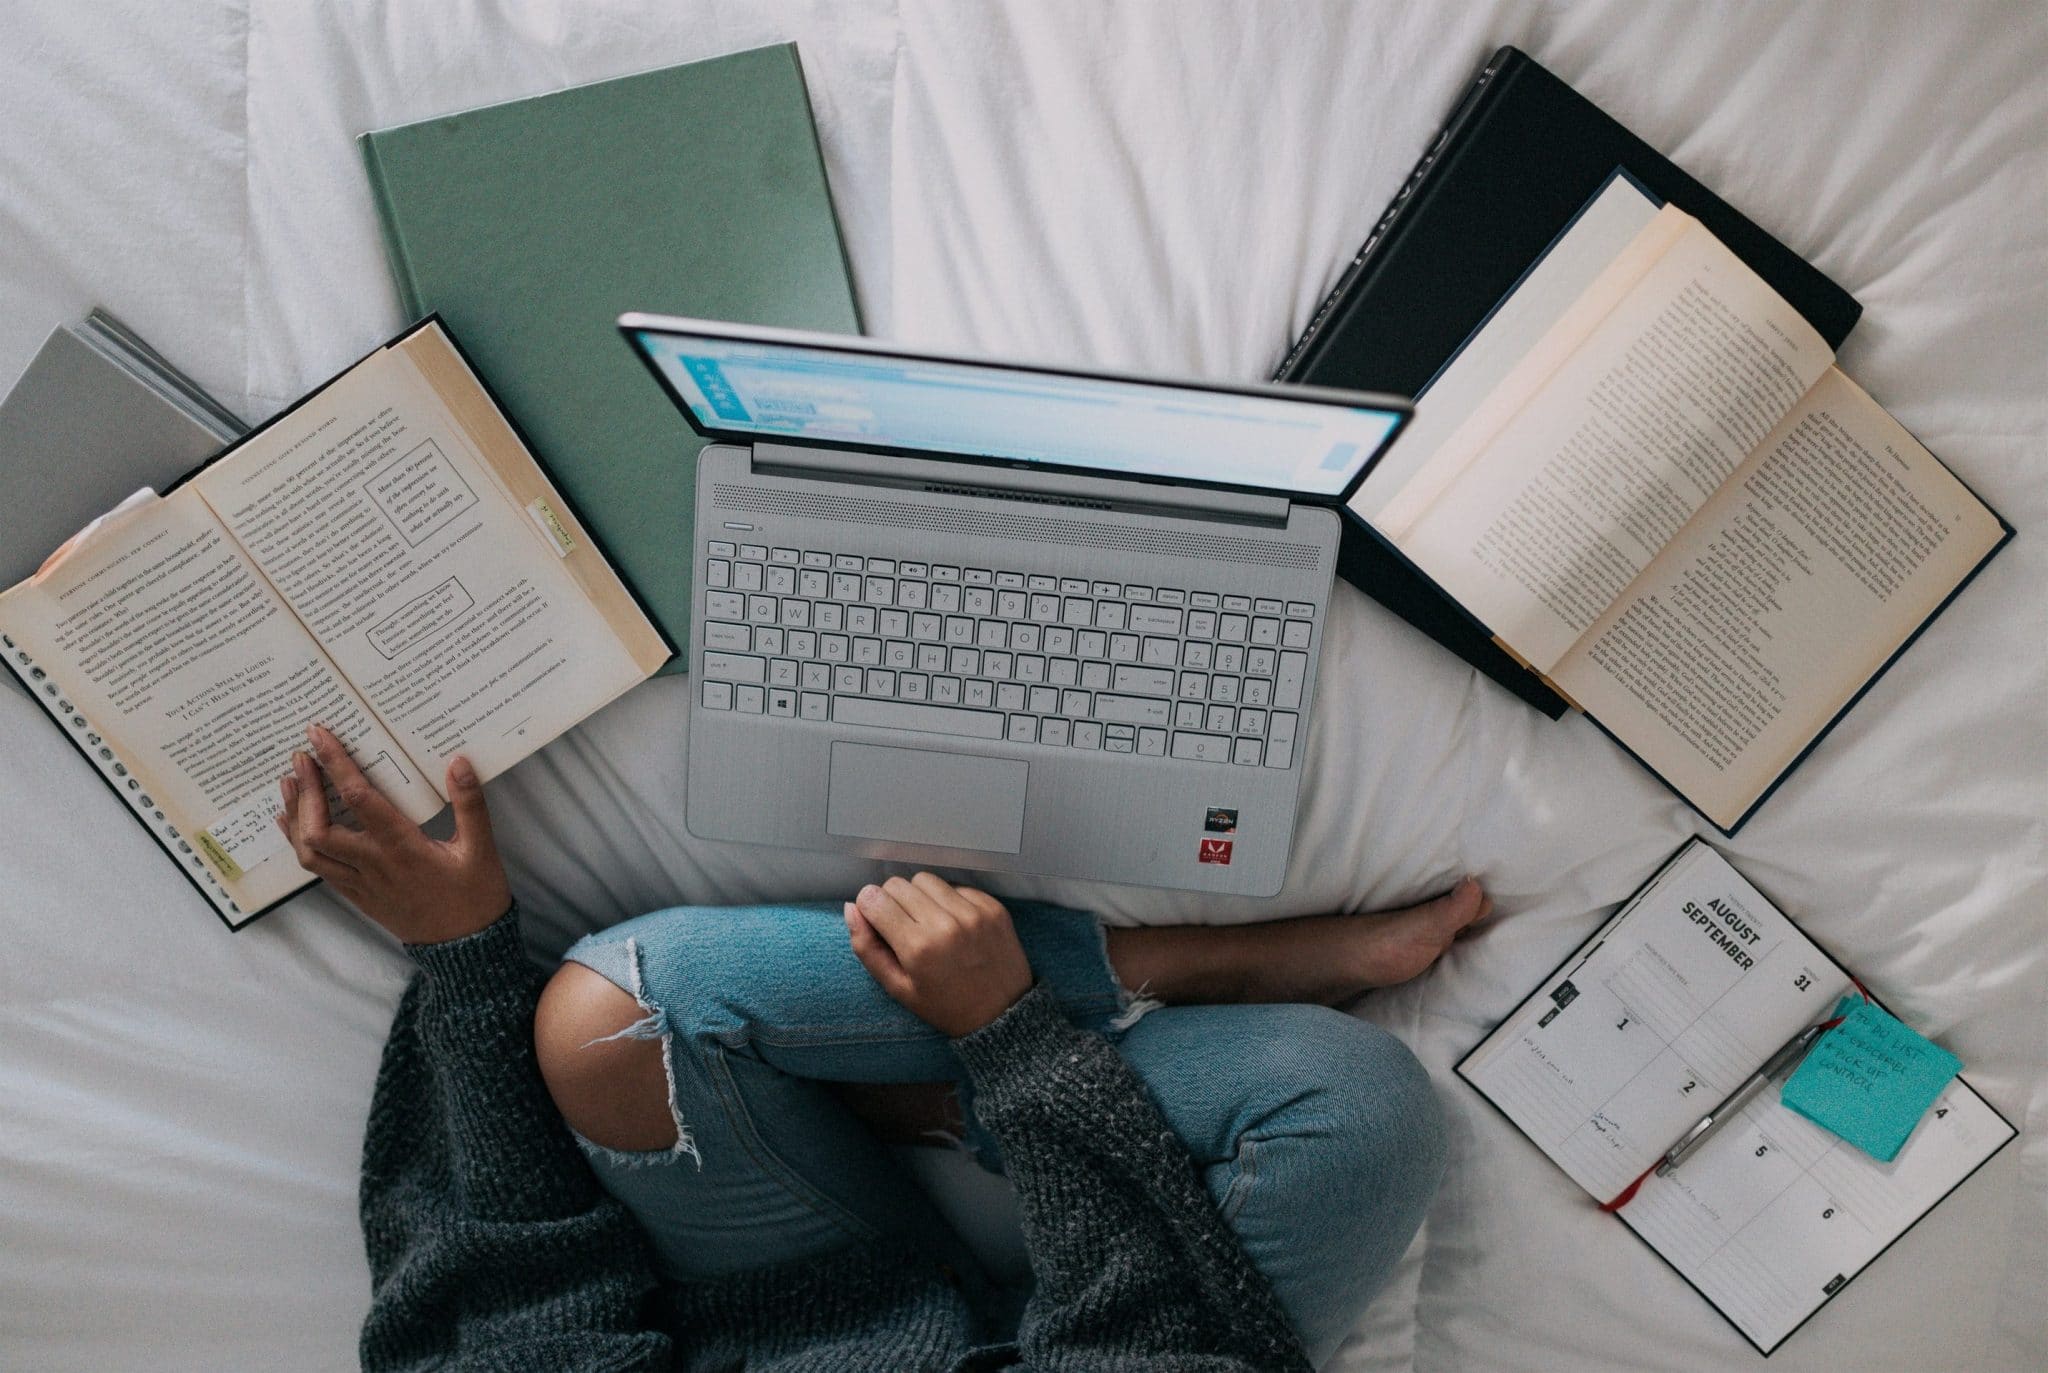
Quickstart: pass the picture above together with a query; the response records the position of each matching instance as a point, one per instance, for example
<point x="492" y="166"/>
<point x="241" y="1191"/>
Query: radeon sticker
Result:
<point x="1215" y="851"/>
<point x="1220" y="820"/>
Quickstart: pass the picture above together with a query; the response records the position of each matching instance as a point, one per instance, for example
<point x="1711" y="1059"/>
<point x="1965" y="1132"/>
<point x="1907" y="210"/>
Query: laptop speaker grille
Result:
<point x="1050" y="529"/>
<point x="988" y="493"/>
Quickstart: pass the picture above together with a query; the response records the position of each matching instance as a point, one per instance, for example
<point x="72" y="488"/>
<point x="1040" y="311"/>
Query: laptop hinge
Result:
<point x="982" y="477"/>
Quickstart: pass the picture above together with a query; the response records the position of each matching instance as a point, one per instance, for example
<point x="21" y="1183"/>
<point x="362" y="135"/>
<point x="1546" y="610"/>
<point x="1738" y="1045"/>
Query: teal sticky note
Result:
<point x="1870" y="1079"/>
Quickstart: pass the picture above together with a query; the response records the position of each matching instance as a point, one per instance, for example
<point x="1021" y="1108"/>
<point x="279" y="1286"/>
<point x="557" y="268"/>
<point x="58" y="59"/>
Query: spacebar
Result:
<point x="858" y="710"/>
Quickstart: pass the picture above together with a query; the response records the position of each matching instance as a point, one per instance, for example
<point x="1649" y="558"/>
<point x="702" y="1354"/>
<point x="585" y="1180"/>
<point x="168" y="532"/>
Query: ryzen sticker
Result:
<point x="1215" y="851"/>
<point x="1219" y="820"/>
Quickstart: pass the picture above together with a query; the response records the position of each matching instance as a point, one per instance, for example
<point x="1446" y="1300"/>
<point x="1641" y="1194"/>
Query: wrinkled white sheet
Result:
<point x="1139" y="185"/>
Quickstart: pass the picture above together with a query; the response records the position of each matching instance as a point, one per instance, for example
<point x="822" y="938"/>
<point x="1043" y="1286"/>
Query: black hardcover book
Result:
<point x="1516" y="160"/>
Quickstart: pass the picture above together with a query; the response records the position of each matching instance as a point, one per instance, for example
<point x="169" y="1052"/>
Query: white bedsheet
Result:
<point x="1139" y="185"/>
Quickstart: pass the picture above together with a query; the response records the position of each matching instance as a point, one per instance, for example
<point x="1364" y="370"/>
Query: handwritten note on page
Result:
<point x="1870" y="1079"/>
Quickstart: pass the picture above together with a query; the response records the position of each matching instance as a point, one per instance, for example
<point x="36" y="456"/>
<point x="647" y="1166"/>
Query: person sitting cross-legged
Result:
<point x="674" y="1153"/>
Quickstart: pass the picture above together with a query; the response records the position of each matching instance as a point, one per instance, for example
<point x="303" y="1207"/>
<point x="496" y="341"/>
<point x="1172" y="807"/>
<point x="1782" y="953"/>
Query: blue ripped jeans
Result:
<point x="1319" y="1136"/>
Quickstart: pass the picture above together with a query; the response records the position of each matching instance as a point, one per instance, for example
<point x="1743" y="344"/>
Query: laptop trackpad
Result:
<point x="923" y="796"/>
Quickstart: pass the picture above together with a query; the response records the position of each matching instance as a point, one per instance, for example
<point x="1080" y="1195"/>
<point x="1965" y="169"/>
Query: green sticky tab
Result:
<point x="1870" y="1079"/>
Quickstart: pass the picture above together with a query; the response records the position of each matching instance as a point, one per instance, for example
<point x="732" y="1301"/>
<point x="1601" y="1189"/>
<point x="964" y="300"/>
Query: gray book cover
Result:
<point x="82" y="429"/>
<point x="97" y="415"/>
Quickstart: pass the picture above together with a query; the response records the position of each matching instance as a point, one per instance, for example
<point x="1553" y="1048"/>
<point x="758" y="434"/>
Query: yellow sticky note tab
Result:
<point x="218" y="856"/>
<point x="551" y="525"/>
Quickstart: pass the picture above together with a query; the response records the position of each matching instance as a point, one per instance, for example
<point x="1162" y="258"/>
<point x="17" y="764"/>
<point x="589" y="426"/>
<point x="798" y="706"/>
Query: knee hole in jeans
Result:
<point x="611" y="1087"/>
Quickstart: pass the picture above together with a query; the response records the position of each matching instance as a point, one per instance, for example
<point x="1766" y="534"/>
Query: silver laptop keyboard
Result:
<point x="981" y="653"/>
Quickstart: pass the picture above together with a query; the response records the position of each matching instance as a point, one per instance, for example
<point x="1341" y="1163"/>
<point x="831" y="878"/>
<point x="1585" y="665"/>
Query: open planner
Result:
<point x="1676" y="1002"/>
<point x="1644" y="476"/>
<point x="385" y="558"/>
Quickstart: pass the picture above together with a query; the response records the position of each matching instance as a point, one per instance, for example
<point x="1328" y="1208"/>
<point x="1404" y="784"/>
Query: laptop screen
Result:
<point x="871" y="398"/>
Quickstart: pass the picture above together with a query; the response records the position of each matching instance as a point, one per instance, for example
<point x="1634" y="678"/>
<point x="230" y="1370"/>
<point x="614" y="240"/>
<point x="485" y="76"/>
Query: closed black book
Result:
<point x="1516" y="160"/>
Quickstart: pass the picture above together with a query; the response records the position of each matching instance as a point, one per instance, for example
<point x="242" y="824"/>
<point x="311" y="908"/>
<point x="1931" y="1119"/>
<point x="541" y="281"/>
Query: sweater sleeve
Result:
<point x="1135" y="1269"/>
<point x="490" y="1243"/>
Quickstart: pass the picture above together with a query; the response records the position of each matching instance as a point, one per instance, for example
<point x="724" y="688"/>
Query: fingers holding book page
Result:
<point x="421" y="890"/>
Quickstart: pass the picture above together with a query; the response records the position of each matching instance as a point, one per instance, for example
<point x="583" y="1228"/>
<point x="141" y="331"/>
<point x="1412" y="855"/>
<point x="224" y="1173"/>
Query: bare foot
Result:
<point x="1326" y="959"/>
<point x="1393" y="946"/>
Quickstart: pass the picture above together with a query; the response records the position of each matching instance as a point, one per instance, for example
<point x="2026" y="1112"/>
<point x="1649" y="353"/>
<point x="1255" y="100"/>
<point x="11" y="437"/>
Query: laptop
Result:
<point x="1005" y="617"/>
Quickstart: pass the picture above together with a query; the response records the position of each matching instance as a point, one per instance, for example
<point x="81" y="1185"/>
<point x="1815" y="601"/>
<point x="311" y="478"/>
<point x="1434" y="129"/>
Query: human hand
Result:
<point x="948" y="954"/>
<point x="425" y="891"/>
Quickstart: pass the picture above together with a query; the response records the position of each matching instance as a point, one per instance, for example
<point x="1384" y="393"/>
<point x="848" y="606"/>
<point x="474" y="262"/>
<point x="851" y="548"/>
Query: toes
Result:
<point x="1468" y="904"/>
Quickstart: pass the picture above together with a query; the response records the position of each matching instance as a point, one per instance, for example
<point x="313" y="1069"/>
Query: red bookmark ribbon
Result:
<point x="1628" y="1193"/>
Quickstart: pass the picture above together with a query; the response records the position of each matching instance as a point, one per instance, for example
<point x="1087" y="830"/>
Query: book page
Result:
<point x="447" y="604"/>
<point x="1565" y="485"/>
<point x="1558" y="281"/>
<point x="1833" y="543"/>
<point x="164" y="635"/>
<point x="1773" y="1215"/>
<point x="1659" y="1020"/>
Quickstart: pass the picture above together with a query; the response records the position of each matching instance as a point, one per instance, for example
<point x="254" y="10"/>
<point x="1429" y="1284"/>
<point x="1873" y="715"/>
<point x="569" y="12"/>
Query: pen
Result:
<point x="1732" y="1107"/>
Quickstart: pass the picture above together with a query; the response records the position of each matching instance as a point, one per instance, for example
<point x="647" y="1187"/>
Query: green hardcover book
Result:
<point x="532" y="225"/>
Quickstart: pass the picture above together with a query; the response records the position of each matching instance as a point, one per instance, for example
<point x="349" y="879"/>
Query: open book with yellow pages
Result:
<point x="1645" y="477"/>
<point x="385" y="557"/>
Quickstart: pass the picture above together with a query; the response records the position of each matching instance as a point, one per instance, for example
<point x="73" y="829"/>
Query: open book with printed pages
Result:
<point x="1644" y="476"/>
<point x="386" y="557"/>
<point x="1682" y="997"/>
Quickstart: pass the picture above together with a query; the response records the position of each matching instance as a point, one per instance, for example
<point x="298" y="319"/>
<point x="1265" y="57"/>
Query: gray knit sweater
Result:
<point x="492" y="1246"/>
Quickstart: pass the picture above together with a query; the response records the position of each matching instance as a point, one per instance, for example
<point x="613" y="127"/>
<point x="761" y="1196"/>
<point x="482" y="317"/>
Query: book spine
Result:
<point x="1299" y="355"/>
<point x="387" y="226"/>
<point x="115" y="773"/>
<point x="154" y="370"/>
